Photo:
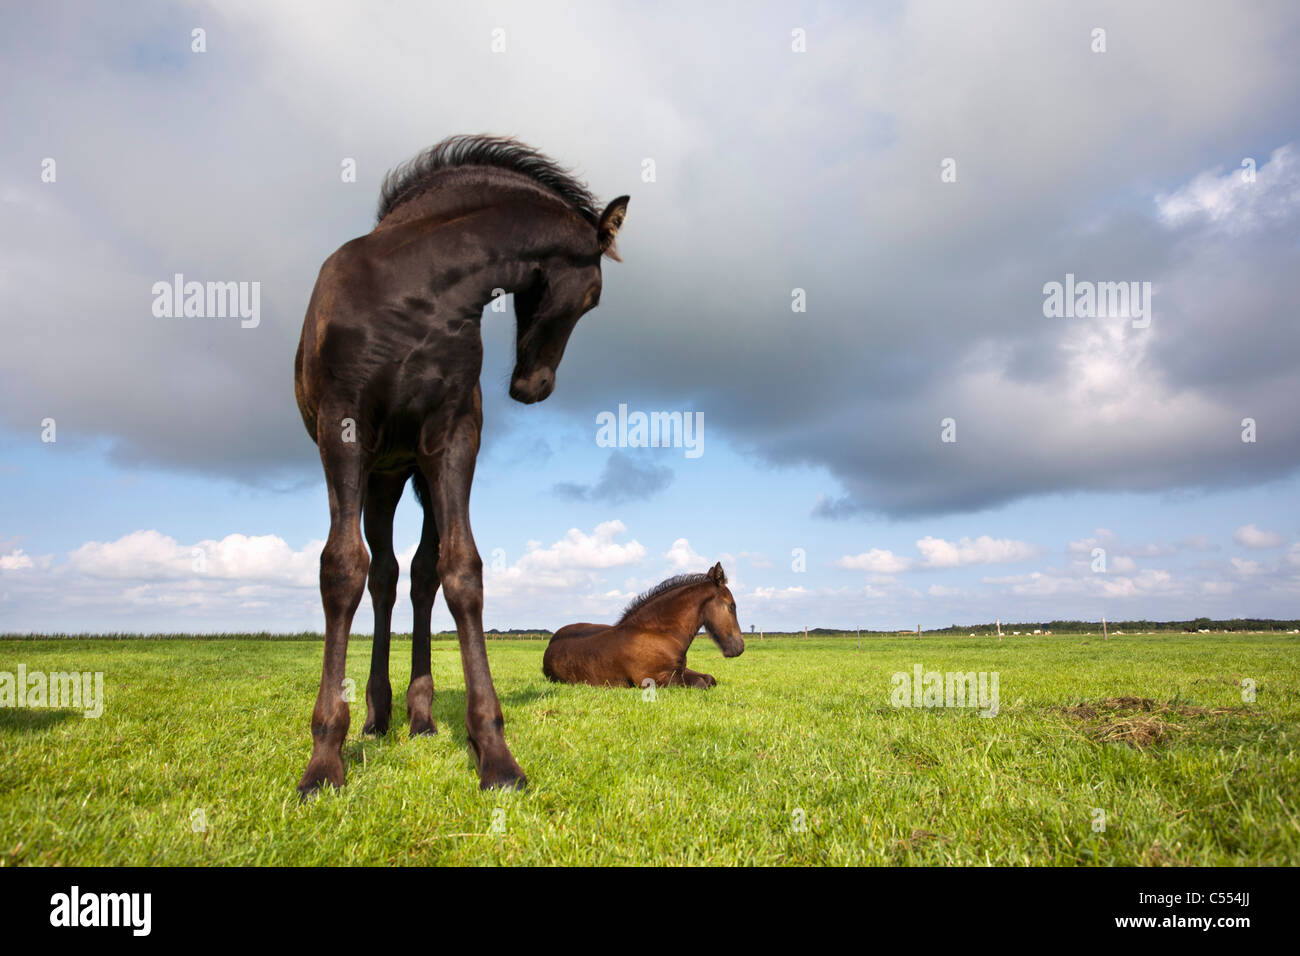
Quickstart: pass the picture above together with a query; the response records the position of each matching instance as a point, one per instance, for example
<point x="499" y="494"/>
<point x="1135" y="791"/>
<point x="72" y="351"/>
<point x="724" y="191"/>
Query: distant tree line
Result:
<point x="1084" y="627"/>
<point x="1026" y="628"/>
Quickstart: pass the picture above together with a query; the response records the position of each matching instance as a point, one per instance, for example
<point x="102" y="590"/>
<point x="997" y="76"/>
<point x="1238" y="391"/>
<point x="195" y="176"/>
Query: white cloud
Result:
<point x="683" y="557"/>
<point x="150" y="555"/>
<point x="579" y="551"/>
<point x="1114" y="545"/>
<point x="1142" y="584"/>
<point x="770" y="594"/>
<point x="1246" y="568"/>
<point x="876" y="561"/>
<point x="553" y="583"/>
<point x="936" y="553"/>
<point x="1233" y="202"/>
<point x="16" y="560"/>
<point x="149" y="580"/>
<point x="1249" y="536"/>
<point x="939" y="553"/>
<point x="943" y="591"/>
<point x="1040" y="584"/>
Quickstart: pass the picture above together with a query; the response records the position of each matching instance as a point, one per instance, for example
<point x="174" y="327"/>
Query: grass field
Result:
<point x="1150" y="730"/>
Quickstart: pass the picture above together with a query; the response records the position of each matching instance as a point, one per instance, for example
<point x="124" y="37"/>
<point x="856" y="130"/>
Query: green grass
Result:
<point x="691" y="778"/>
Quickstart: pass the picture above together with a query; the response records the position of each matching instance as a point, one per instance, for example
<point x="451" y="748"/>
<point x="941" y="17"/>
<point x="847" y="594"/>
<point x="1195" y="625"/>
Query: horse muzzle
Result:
<point x="534" y="387"/>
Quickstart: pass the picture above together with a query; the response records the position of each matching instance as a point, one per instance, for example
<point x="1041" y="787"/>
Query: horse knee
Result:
<point x="424" y="579"/>
<point x="462" y="584"/>
<point x="383" y="577"/>
<point x="344" y="565"/>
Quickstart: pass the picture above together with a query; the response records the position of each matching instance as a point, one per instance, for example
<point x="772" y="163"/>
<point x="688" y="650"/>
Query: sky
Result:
<point x="844" y="226"/>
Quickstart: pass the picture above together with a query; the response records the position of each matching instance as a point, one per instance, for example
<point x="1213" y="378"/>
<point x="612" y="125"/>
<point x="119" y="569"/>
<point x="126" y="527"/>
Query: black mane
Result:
<point x="414" y="176"/>
<point x="672" y="584"/>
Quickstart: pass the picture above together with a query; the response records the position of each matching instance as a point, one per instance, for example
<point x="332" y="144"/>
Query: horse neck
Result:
<point x="464" y="277"/>
<point x="509" y="261"/>
<point x="458" y="190"/>
<point x="681" y="613"/>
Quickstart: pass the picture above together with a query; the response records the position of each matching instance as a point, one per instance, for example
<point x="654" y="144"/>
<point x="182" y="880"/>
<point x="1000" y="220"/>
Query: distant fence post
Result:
<point x="1104" y="635"/>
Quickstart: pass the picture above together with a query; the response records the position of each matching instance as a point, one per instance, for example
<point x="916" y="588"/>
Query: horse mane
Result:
<point x="411" y="178"/>
<point x="663" y="587"/>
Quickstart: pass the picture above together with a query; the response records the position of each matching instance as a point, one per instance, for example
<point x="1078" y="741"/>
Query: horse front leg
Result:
<point x="682" y="676"/>
<point x="692" y="678"/>
<point x="460" y="570"/>
<point x="343" y="567"/>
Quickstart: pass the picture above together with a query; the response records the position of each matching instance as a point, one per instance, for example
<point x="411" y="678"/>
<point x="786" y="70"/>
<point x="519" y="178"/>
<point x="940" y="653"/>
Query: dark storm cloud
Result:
<point x="774" y="171"/>
<point x="623" y="479"/>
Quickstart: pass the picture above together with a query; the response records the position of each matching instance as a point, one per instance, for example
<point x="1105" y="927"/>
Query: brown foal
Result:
<point x="650" y="641"/>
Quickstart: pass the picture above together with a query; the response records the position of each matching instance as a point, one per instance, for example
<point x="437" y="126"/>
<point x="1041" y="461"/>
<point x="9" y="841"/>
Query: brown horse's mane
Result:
<point x="413" y="177"/>
<point x="663" y="587"/>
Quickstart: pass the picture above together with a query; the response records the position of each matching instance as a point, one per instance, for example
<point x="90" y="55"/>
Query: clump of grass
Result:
<point x="1139" y="721"/>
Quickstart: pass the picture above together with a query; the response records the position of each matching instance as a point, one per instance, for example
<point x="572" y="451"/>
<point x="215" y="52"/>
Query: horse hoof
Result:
<point x="516" y="783"/>
<point x="310" y="791"/>
<point x="374" y="728"/>
<point x="317" y="775"/>
<point x="423" y="728"/>
<point x="508" y="776"/>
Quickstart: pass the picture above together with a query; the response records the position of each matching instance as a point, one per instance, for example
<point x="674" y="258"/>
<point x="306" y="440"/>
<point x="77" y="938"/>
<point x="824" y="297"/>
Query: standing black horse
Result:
<point x="387" y="380"/>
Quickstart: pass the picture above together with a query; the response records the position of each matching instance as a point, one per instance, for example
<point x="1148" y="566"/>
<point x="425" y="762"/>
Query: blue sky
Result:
<point x="182" y="493"/>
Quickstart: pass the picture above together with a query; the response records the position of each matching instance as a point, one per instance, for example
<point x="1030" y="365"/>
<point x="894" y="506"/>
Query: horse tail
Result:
<point x="421" y="488"/>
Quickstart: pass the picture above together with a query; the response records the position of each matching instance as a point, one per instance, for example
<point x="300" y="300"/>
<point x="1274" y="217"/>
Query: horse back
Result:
<point x="578" y="630"/>
<point x="568" y="659"/>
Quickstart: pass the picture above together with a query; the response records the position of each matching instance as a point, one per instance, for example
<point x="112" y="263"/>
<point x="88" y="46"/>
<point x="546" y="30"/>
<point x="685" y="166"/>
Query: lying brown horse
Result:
<point x="650" y="640"/>
<point x="387" y="381"/>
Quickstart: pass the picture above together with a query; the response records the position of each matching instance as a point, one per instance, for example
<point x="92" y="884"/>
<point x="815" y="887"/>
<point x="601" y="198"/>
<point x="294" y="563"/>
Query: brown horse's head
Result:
<point x="720" y="615"/>
<point x="547" y="311"/>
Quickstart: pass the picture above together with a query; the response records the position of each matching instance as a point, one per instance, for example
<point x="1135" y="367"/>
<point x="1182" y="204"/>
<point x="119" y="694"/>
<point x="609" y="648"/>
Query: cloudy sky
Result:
<point x="843" y="221"/>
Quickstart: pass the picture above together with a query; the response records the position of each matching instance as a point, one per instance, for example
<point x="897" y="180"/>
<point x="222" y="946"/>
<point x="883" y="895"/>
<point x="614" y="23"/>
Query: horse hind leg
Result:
<point x="449" y="475"/>
<point x="424" y="587"/>
<point x="383" y="492"/>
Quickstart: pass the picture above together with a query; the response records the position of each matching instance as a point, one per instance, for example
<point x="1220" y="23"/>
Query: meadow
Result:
<point x="1139" y="750"/>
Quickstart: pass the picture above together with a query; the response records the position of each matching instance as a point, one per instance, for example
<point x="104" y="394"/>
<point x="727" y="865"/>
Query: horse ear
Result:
<point x="717" y="575"/>
<point x="611" y="220"/>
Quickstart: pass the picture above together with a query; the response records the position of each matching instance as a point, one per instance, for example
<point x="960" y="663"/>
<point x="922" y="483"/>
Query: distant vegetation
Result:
<point x="1236" y="625"/>
<point x="1241" y="624"/>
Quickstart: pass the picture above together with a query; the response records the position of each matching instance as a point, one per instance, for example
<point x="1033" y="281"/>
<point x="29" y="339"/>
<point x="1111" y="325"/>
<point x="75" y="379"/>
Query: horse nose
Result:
<point x="534" y="387"/>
